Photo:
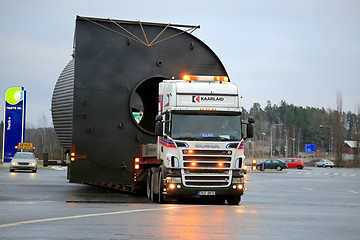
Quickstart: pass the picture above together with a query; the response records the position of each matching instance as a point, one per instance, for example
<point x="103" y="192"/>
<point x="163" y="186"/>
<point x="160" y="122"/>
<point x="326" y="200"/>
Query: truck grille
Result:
<point x="205" y="171"/>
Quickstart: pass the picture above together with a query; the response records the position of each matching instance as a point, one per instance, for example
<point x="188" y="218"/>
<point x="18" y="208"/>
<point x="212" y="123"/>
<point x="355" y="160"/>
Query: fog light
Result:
<point x="172" y="186"/>
<point x="234" y="186"/>
<point x="178" y="186"/>
<point x="240" y="186"/>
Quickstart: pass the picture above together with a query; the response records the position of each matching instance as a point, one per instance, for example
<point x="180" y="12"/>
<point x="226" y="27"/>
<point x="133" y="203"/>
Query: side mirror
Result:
<point x="159" y="129"/>
<point x="249" y="128"/>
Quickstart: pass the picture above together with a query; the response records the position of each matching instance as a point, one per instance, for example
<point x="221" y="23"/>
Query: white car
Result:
<point x="324" y="163"/>
<point x="23" y="161"/>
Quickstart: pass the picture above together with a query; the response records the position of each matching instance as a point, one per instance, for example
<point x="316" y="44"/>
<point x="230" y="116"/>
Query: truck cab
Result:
<point x="201" y="139"/>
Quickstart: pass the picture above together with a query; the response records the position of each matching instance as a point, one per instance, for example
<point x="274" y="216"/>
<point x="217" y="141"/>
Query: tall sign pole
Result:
<point x="14" y="121"/>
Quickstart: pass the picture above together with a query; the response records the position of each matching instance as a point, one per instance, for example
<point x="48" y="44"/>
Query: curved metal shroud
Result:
<point x="108" y="68"/>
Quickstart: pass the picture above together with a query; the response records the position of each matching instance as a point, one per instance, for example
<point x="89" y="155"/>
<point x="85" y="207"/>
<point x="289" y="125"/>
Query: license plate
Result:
<point x="206" y="193"/>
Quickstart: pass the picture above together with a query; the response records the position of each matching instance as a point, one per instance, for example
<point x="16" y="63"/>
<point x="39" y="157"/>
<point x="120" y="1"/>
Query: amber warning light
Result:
<point x="206" y="78"/>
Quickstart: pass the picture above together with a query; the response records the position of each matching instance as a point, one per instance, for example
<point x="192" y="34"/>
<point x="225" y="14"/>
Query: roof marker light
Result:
<point x="206" y="78"/>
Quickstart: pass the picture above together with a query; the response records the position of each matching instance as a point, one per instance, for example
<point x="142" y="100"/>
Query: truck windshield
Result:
<point x="206" y="127"/>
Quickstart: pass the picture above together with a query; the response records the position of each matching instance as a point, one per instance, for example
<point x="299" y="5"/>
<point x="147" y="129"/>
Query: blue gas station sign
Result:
<point x="14" y="121"/>
<point x="310" y="148"/>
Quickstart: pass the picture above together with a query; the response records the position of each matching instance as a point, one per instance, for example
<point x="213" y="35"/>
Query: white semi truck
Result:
<point x="200" y="145"/>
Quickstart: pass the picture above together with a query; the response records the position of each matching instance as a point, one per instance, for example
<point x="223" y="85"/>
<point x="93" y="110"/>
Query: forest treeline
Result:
<point x="292" y="127"/>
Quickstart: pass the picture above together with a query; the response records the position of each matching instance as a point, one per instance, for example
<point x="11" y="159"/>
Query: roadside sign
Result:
<point x="310" y="148"/>
<point x="14" y="121"/>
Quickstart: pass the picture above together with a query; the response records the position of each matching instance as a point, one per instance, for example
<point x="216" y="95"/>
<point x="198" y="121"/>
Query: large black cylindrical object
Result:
<point x="114" y="76"/>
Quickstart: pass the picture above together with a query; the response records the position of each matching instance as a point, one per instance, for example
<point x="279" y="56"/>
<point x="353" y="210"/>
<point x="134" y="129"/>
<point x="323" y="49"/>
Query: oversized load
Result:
<point x="106" y="99"/>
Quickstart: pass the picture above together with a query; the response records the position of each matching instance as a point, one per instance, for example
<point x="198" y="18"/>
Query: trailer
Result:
<point x="106" y="103"/>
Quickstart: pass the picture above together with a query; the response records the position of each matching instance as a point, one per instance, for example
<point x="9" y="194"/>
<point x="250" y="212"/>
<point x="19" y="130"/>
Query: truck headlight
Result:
<point x="173" y="179"/>
<point x="236" y="180"/>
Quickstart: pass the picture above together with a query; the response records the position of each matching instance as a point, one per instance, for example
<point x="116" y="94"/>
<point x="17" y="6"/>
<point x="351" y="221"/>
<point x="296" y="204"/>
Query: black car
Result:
<point x="272" y="164"/>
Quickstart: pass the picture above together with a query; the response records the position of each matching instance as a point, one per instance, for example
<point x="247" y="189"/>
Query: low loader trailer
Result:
<point x="149" y="108"/>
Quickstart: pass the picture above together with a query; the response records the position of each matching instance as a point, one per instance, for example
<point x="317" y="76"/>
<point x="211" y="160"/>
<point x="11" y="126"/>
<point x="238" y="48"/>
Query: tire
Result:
<point x="148" y="185"/>
<point x="12" y="170"/>
<point x="153" y="196"/>
<point x="34" y="171"/>
<point x="299" y="167"/>
<point x="324" y="166"/>
<point x="279" y="168"/>
<point x="234" y="200"/>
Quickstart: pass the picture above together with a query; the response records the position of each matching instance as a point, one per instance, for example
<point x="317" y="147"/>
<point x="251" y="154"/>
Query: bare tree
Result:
<point x="339" y="131"/>
<point x="357" y="138"/>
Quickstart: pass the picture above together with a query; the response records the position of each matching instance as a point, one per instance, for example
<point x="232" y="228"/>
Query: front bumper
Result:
<point x="180" y="191"/>
<point x="23" y="167"/>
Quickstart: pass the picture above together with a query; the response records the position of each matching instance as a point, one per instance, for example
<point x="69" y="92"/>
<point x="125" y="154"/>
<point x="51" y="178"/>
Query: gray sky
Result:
<point x="303" y="52"/>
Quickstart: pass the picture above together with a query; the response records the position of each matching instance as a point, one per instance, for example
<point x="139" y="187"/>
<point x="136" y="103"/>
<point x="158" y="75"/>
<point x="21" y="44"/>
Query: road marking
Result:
<point x="354" y="192"/>
<point x="86" y="216"/>
<point x="309" y="189"/>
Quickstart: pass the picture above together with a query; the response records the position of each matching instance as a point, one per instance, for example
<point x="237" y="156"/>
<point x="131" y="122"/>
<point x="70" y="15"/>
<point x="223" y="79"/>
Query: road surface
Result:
<point x="313" y="203"/>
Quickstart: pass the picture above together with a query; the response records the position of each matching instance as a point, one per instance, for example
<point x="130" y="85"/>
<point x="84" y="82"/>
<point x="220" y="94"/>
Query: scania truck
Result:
<point x="149" y="108"/>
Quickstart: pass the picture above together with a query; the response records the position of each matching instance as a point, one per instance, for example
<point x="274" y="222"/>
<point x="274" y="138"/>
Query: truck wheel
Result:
<point x="153" y="196"/>
<point x="162" y="197"/>
<point x="148" y="184"/>
<point x="234" y="200"/>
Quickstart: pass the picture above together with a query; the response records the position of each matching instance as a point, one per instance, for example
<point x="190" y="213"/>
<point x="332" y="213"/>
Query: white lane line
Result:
<point x="86" y="216"/>
<point x="309" y="189"/>
<point x="354" y="192"/>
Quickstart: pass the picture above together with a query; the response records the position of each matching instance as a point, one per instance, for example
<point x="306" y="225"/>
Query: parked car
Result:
<point x="272" y="164"/>
<point x="295" y="163"/>
<point x="324" y="163"/>
<point x="23" y="161"/>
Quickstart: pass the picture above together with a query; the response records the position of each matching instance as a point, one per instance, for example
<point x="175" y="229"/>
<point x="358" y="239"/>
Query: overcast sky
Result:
<point x="303" y="52"/>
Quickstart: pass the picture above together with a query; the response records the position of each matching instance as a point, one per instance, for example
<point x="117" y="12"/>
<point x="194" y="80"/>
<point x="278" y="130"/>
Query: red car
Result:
<point x="294" y="163"/>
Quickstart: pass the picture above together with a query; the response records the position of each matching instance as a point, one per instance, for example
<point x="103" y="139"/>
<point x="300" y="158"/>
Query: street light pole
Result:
<point x="271" y="144"/>
<point x="263" y="137"/>
<point x="331" y="139"/>
<point x="293" y="147"/>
